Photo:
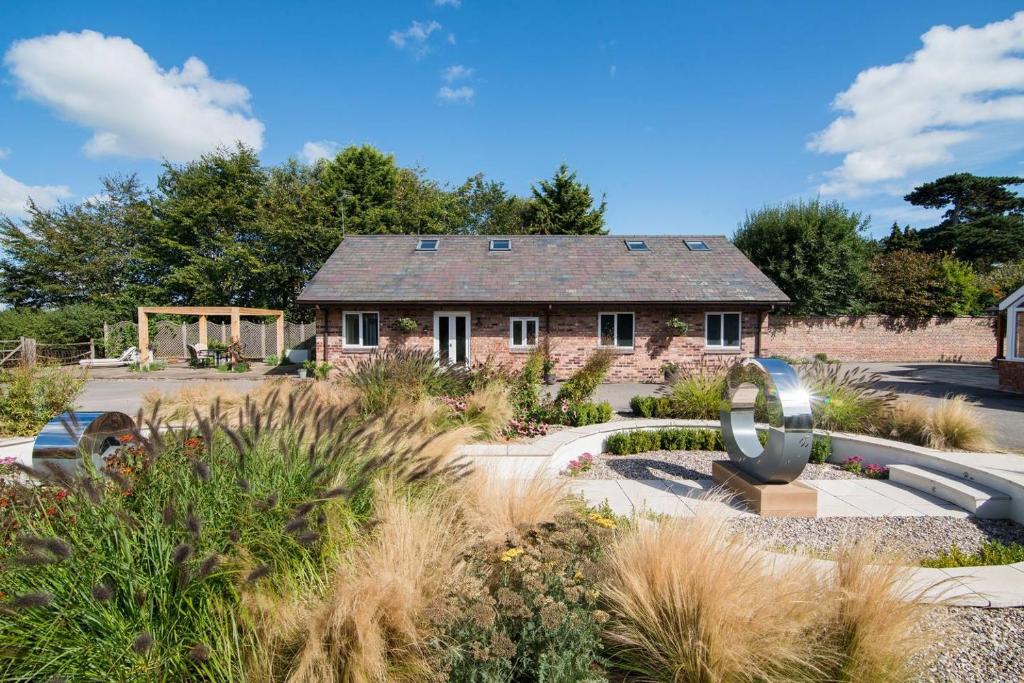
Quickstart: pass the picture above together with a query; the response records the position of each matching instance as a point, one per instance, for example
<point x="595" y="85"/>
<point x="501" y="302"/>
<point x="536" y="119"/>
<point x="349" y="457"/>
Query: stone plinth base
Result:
<point x="768" y="500"/>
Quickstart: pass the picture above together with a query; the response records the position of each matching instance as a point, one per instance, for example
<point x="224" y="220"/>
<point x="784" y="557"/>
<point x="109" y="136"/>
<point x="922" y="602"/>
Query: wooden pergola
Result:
<point x="234" y="312"/>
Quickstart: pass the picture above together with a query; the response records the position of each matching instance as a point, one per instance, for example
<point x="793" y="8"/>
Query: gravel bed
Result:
<point x="979" y="646"/>
<point x="683" y="465"/>
<point x="915" y="537"/>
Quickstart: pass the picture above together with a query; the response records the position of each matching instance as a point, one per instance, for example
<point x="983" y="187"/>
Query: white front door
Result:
<point x="451" y="338"/>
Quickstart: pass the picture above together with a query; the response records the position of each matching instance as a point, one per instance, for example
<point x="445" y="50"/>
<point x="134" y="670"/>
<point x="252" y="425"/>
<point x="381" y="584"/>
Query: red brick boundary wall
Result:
<point x="1011" y="374"/>
<point x="881" y="338"/>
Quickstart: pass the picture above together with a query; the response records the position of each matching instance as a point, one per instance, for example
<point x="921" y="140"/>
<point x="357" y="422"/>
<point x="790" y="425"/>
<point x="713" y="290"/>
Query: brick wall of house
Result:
<point x="573" y="337"/>
<point x="881" y="338"/>
<point x="1011" y="374"/>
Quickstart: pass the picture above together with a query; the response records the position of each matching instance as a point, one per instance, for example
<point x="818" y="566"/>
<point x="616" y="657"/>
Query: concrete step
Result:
<point x="971" y="496"/>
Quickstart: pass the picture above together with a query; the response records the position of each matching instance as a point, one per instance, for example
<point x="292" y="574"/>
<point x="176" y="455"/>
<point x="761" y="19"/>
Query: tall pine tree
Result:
<point x="564" y="206"/>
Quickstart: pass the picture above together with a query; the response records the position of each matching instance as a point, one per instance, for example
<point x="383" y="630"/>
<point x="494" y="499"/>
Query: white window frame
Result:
<point x="451" y="340"/>
<point x="523" y="319"/>
<point x="1016" y="333"/>
<point x="721" y="333"/>
<point x="616" y="330"/>
<point x="344" y="331"/>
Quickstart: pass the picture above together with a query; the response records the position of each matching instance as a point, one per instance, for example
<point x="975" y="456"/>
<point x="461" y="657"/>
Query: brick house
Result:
<point x="648" y="299"/>
<point x="1009" y="359"/>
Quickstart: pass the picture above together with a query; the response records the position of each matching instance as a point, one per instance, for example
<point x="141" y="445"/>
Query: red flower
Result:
<point x="62" y="494"/>
<point x="51" y="511"/>
<point x="126" y="438"/>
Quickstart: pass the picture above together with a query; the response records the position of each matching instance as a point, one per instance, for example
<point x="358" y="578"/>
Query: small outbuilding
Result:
<point x="1010" y="351"/>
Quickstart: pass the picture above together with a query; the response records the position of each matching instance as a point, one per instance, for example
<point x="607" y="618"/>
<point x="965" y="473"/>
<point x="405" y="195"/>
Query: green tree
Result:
<point x="907" y="238"/>
<point x="920" y="285"/>
<point x="984" y="219"/>
<point x="484" y="207"/>
<point x="91" y="252"/>
<point x="814" y="251"/>
<point x="564" y="206"/>
<point x="210" y="247"/>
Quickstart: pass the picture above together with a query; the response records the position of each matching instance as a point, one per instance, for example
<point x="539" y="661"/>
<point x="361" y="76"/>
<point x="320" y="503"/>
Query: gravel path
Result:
<point x="981" y="646"/>
<point x="683" y="465"/>
<point x="915" y="537"/>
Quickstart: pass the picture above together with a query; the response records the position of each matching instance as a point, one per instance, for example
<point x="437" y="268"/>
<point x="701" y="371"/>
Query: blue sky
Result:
<point x="686" y="115"/>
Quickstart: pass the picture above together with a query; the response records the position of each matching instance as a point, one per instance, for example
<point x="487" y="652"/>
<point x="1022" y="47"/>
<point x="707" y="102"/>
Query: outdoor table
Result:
<point x="217" y="354"/>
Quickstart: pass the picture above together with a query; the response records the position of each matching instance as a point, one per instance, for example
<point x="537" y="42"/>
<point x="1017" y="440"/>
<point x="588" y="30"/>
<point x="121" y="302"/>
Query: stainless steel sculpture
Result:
<point x="66" y="436"/>
<point x="787" y="411"/>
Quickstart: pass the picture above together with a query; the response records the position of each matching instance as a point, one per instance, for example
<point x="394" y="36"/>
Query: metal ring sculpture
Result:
<point x="787" y="408"/>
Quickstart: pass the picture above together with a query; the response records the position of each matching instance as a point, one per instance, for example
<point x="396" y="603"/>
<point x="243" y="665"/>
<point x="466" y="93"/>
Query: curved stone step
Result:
<point x="970" y="495"/>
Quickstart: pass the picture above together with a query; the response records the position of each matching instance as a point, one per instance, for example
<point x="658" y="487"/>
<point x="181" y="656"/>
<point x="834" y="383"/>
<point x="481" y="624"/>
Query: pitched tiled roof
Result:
<point x="539" y="268"/>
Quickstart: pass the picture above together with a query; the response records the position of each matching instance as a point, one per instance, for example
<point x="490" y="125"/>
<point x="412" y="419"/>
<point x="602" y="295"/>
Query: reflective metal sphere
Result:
<point x="785" y="407"/>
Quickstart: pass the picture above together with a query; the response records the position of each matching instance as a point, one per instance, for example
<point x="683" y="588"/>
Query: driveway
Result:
<point x="1003" y="410"/>
<point x="125" y="395"/>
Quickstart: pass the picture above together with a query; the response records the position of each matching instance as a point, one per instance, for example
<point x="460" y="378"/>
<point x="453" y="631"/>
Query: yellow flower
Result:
<point x="606" y="522"/>
<point x="511" y="554"/>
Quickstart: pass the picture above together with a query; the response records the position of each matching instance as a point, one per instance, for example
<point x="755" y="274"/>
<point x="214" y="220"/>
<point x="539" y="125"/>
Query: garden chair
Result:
<point x="198" y="356"/>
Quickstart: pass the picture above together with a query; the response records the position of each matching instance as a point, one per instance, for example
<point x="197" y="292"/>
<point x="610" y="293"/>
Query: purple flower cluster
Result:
<point x="856" y="465"/>
<point x="581" y="464"/>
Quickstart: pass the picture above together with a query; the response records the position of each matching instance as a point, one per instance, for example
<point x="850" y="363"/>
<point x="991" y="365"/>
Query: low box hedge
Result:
<point x="692" y="439"/>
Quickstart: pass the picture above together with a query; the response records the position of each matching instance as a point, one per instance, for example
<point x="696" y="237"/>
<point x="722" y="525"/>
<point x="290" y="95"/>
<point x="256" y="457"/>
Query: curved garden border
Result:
<point x="993" y="586"/>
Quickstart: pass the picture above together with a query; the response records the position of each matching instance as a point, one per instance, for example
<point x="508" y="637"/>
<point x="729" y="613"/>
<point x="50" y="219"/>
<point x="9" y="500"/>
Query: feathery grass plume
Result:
<point x="718" y="613"/>
<point x="169" y="515"/>
<point x="92" y="492"/>
<point x="906" y="419"/>
<point x="59" y="475"/>
<point x="201" y="470"/>
<point x="184" y="578"/>
<point x="845" y="400"/>
<point x="296" y="524"/>
<point x="954" y="424"/>
<point x="142" y="643"/>
<point x="31" y="600"/>
<point x="102" y="592"/>
<point x="308" y="537"/>
<point x="181" y="552"/>
<point x="208" y="565"/>
<point x="139" y="597"/>
<point x="257" y="574"/>
<point x="33" y="560"/>
<point x="871" y="620"/>
<point x="56" y="547"/>
<point x="499" y="507"/>
<point x="235" y="535"/>
<point x="370" y="625"/>
<point x="192" y="522"/>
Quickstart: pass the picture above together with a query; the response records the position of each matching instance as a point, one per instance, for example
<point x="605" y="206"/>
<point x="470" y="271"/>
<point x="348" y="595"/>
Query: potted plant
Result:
<point x="676" y="326"/>
<point x="308" y="366"/>
<point x="549" y="371"/>
<point x="670" y="371"/>
<point x="404" y="325"/>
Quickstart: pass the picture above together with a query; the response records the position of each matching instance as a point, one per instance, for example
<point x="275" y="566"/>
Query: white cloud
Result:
<point x="903" y="117"/>
<point x="448" y="3"/>
<point x="451" y="38"/>
<point x="14" y="195"/>
<point x="321" y="149"/>
<point x="416" y="38"/>
<point x="456" y="72"/>
<point x="456" y="95"/>
<point x="134" y="107"/>
<point x="5" y="152"/>
<point x="611" y="70"/>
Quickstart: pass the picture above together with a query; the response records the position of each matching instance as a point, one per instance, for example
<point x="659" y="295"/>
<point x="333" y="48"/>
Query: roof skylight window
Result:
<point x="697" y="245"/>
<point x="636" y="245"/>
<point x="501" y="245"/>
<point x="427" y="245"/>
